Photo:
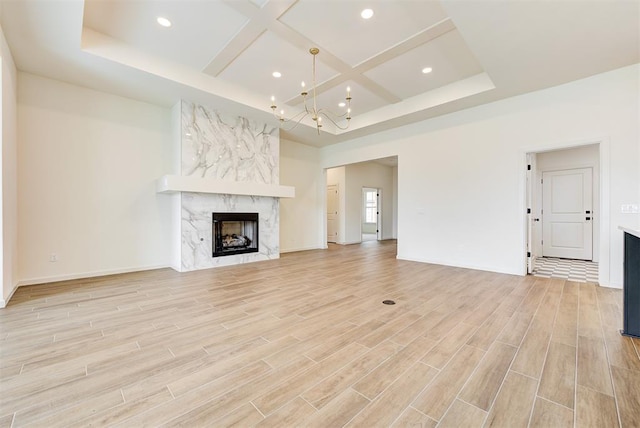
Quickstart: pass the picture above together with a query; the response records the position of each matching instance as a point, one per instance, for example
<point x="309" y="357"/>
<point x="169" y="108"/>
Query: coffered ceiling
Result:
<point x="224" y="52"/>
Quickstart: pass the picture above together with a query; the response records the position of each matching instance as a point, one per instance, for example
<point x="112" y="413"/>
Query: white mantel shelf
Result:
<point x="179" y="183"/>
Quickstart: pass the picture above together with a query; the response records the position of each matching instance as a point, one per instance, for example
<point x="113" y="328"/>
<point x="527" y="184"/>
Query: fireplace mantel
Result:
<point x="179" y="183"/>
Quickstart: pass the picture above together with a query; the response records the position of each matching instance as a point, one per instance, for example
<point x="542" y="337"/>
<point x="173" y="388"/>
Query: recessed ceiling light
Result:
<point x="366" y="14"/>
<point x="163" y="21"/>
<point x="427" y="70"/>
<point x="276" y="74"/>
<point x="341" y="105"/>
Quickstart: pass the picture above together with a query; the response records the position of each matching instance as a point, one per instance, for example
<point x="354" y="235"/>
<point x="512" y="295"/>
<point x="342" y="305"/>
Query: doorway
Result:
<point x="563" y="205"/>
<point x="347" y="217"/>
<point x="332" y="213"/>
<point x="371" y="226"/>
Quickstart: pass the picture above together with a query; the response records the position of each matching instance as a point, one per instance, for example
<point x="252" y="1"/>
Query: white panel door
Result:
<point x="332" y="213"/>
<point x="567" y="214"/>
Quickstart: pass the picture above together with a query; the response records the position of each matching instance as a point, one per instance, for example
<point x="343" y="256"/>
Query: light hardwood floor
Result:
<point x="306" y="341"/>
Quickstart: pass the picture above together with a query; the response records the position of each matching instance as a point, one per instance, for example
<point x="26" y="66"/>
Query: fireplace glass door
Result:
<point x="235" y="233"/>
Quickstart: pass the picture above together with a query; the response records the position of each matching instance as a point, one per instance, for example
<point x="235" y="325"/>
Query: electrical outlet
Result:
<point x="53" y="258"/>
<point x="629" y="208"/>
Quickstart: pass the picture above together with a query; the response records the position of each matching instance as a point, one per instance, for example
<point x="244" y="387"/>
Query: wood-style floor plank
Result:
<point x="413" y="418"/>
<point x="306" y="341"/>
<point x="339" y="411"/>
<point x="594" y="409"/>
<point x="485" y="382"/>
<point x="627" y="385"/>
<point x="548" y="414"/>
<point x="462" y="414"/>
<point x="387" y="407"/>
<point x="559" y="375"/>
<point x="381" y="377"/>
<point x="438" y="396"/>
<point x="593" y="368"/>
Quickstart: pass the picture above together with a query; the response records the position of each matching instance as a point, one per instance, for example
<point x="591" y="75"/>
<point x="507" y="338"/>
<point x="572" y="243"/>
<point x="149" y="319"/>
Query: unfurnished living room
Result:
<point x="298" y="213"/>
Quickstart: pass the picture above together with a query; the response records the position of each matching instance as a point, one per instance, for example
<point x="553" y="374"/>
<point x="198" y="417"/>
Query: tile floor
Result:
<point x="573" y="270"/>
<point x="305" y="341"/>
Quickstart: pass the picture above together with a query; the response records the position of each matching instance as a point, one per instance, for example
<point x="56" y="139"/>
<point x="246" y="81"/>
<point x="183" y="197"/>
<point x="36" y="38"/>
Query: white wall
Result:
<point x="87" y="169"/>
<point x="369" y="174"/>
<point x="300" y="216"/>
<point x="8" y="176"/>
<point x="578" y="157"/>
<point x="461" y="191"/>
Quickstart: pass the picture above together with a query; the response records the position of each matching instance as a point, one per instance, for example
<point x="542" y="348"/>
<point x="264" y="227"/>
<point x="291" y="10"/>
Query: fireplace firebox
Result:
<point x="235" y="233"/>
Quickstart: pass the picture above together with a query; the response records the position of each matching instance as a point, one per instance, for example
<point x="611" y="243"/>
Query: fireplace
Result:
<point x="235" y="233"/>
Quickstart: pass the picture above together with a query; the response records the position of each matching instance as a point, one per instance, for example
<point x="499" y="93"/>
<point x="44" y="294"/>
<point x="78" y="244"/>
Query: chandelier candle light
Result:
<point x="316" y="113"/>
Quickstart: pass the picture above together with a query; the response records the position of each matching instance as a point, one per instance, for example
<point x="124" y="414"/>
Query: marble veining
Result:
<point x="227" y="148"/>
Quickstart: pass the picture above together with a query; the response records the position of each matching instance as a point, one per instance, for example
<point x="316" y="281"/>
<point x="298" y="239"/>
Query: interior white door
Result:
<point x="567" y="214"/>
<point x="332" y="213"/>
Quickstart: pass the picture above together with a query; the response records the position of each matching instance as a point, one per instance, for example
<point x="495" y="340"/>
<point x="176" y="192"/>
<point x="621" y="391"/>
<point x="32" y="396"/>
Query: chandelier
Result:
<point x="310" y="106"/>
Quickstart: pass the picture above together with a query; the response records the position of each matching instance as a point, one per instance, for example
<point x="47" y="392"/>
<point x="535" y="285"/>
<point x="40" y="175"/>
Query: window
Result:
<point x="370" y="206"/>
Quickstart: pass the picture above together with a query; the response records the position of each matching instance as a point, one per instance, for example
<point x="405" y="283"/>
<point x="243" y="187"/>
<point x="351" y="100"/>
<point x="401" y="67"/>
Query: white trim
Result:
<point x="295" y="250"/>
<point x="604" y="264"/>
<point x="349" y="242"/>
<point x="4" y="302"/>
<point x="494" y="269"/>
<point x="58" y="278"/>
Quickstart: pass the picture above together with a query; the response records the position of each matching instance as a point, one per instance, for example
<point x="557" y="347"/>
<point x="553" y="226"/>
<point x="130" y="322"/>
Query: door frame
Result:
<point x="378" y="207"/>
<point x="326" y="218"/>
<point x="530" y="216"/>
<point x="603" y="207"/>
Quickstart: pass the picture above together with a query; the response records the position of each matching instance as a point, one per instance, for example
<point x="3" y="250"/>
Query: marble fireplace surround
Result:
<point x="228" y="164"/>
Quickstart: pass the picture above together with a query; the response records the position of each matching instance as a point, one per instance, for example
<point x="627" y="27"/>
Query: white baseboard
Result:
<point x="495" y="269"/>
<point x="3" y="302"/>
<point x="67" y="277"/>
<point x="617" y="286"/>
<point x="349" y="242"/>
<point x="295" y="250"/>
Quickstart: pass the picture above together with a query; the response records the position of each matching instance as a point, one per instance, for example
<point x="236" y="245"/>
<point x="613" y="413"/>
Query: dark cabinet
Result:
<point x="631" y="293"/>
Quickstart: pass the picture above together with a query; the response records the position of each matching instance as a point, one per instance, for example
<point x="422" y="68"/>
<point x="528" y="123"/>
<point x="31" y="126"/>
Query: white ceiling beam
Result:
<point x="258" y="22"/>
<point x="357" y="73"/>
